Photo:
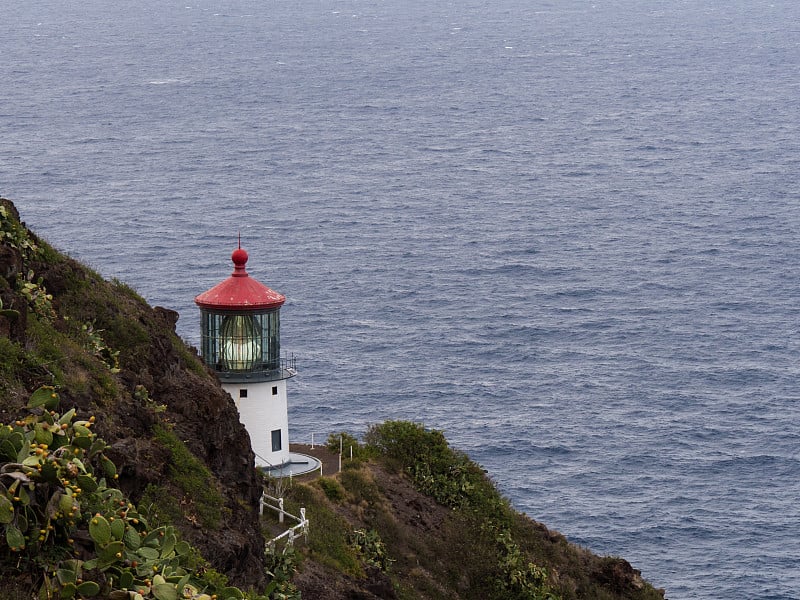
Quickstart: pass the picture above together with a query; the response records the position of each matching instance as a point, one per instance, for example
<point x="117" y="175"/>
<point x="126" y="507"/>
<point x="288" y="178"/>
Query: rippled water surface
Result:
<point x="565" y="233"/>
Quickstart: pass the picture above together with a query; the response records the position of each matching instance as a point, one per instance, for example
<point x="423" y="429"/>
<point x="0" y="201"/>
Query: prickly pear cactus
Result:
<point x="61" y="515"/>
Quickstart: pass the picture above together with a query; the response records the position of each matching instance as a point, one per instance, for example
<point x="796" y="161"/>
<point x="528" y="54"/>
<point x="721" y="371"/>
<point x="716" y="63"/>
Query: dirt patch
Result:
<point x="408" y="506"/>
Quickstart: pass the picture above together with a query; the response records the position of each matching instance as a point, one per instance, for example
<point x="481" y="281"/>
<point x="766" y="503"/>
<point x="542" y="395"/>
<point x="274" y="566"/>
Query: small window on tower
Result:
<point x="276" y="440"/>
<point x="243" y="393"/>
<point x="274" y="390"/>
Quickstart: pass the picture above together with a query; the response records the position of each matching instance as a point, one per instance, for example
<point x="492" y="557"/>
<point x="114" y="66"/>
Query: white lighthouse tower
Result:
<point x="240" y="340"/>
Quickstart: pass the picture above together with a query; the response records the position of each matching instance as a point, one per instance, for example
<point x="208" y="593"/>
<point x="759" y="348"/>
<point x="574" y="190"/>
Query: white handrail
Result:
<point x="291" y="533"/>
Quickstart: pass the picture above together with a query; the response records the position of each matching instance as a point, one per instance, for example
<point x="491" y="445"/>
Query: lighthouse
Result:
<point x="241" y="342"/>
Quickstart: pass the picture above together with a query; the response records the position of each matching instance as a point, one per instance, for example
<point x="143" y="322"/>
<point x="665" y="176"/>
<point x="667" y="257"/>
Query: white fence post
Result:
<point x="292" y="532"/>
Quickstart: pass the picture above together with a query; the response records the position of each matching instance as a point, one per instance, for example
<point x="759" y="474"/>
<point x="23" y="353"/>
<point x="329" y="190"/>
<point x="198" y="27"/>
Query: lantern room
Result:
<point x="240" y="327"/>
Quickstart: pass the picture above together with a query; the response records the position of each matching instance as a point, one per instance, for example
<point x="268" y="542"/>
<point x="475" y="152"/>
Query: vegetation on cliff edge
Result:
<point x="171" y="431"/>
<point x="71" y="533"/>
<point x="162" y="477"/>
<point x="408" y="517"/>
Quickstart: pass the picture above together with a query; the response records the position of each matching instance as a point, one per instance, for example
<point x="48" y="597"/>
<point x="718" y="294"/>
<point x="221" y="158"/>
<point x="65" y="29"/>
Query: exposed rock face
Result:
<point x="159" y="383"/>
<point x="206" y="420"/>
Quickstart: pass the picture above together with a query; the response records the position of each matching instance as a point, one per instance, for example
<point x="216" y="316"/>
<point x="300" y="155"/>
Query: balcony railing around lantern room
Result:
<point x="274" y="370"/>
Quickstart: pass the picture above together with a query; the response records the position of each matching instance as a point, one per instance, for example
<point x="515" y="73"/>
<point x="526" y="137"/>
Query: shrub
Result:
<point x="370" y="546"/>
<point x="332" y="488"/>
<point x="348" y="445"/>
<point x="360" y="485"/>
<point x="281" y="566"/>
<point x="406" y="442"/>
<point x="14" y="234"/>
<point x="438" y="470"/>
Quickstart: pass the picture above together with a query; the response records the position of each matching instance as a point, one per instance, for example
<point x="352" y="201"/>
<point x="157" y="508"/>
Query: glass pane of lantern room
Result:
<point x="274" y="338"/>
<point x="209" y="326"/>
<point x="240" y="342"/>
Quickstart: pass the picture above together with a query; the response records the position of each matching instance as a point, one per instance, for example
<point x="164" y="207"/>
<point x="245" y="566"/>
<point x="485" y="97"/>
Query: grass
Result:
<point x="158" y="505"/>
<point x="12" y="358"/>
<point x="360" y="485"/>
<point x="328" y="538"/>
<point x="193" y="478"/>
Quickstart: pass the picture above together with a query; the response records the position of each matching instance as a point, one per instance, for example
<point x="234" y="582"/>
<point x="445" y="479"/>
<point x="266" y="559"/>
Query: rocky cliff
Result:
<point x="408" y="518"/>
<point x="111" y="355"/>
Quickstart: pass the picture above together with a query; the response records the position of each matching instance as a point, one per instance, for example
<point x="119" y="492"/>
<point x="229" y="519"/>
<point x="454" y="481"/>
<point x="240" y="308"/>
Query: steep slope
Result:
<point x="409" y="517"/>
<point x="109" y="354"/>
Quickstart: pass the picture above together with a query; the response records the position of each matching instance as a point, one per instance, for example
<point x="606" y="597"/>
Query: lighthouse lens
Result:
<point x="241" y="342"/>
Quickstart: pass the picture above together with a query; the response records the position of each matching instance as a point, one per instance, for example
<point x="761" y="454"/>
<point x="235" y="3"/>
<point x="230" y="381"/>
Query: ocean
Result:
<point x="566" y="233"/>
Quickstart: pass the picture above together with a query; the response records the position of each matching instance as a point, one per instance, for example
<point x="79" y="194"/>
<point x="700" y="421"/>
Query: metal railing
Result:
<point x="281" y="368"/>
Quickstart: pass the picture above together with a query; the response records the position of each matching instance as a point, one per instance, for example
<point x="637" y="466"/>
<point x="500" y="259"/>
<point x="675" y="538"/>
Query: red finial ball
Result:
<point x="239" y="258"/>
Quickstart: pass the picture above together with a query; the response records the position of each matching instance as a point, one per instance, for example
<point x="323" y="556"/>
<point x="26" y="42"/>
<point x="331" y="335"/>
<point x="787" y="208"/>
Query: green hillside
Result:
<point x="125" y="474"/>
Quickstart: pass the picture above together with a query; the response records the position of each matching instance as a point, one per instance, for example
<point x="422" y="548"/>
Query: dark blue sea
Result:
<point x="564" y="232"/>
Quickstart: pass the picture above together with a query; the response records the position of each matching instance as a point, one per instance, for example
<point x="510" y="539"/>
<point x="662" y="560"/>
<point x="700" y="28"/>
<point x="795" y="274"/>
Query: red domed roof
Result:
<point x="240" y="291"/>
